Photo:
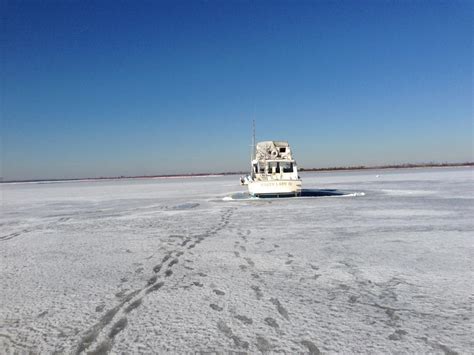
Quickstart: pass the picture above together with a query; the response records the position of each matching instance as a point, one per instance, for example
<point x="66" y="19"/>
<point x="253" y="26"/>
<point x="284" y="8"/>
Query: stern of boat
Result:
<point x="275" y="188"/>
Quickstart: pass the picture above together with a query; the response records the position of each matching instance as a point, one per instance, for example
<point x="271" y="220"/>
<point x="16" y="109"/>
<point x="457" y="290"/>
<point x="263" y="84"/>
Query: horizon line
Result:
<point x="187" y="175"/>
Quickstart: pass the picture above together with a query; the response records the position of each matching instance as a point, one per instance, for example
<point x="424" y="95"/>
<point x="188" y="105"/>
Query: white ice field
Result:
<point x="172" y="266"/>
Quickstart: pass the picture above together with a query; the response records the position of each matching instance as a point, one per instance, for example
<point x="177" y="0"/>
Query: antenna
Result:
<point x="253" y="139"/>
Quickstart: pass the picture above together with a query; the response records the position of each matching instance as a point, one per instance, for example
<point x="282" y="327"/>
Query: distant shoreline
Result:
<point x="393" y="166"/>
<point x="171" y="176"/>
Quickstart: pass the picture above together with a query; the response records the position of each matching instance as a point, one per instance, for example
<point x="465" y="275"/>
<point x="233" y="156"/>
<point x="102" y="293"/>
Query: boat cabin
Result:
<point x="284" y="169"/>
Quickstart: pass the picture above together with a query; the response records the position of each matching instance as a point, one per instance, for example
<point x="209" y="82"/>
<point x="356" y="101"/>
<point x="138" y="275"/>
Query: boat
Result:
<point x="274" y="172"/>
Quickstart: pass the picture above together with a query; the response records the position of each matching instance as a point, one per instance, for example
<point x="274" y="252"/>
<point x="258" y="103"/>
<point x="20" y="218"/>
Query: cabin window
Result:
<point x="287" y="167"/>
<point x="282" y="150"/>
<point x="272" y="167"/>
<point x="255" y="168"/>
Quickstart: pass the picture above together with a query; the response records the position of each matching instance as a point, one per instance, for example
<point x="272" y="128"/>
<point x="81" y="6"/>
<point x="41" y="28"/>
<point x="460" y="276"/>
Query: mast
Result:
<point x="252" y="153"/>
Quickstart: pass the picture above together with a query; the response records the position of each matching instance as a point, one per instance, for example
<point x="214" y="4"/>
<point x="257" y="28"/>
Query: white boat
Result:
<point x="274" y="172"/>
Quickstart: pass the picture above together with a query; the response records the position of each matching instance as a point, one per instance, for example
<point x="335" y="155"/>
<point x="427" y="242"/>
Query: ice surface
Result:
<point x="178" y="265"/>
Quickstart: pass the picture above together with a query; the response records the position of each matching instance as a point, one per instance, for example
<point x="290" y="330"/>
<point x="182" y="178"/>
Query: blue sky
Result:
<point x="112" y="88"/>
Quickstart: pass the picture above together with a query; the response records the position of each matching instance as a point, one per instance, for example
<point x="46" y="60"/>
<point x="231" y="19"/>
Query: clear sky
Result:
<point x="110" y="88"/>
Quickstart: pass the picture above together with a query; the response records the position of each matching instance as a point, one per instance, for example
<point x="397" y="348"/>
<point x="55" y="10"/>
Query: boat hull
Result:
<point x="275" y="188"/>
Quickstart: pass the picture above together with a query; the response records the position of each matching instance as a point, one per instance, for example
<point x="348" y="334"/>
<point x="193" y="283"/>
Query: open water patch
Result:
<point x="305" y="193"/>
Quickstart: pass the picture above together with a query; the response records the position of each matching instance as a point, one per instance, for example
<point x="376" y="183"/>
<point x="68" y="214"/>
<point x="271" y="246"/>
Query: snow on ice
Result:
<point x="376" y="261"/>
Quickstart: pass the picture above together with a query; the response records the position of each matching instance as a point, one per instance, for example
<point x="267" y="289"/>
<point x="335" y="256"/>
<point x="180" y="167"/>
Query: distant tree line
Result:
<point x="391" y="166"/>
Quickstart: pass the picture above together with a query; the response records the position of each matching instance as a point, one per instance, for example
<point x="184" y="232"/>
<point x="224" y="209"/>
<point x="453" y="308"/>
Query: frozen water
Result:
<point x="384" y="264"/>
